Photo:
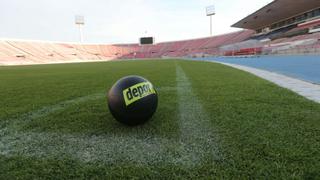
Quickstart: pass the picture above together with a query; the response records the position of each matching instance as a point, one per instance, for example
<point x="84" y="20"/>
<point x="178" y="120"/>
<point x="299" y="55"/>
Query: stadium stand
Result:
<point x="269" y="30"/>
<point x="28" y="52"/>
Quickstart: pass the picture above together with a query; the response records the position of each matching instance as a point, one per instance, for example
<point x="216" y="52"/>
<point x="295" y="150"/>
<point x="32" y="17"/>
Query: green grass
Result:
<point x="212" y="122"/>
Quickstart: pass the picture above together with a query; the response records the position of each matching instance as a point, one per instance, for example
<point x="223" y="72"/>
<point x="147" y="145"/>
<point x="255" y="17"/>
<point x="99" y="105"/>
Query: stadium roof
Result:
<point x="276" y="11"/>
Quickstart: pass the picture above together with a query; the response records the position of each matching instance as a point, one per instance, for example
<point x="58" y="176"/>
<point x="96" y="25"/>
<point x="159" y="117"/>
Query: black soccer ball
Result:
<point x="132" y="100"/>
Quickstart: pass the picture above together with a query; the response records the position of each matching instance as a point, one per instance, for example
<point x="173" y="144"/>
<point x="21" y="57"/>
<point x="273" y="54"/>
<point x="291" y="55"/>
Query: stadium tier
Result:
<point x="28" y="52"/>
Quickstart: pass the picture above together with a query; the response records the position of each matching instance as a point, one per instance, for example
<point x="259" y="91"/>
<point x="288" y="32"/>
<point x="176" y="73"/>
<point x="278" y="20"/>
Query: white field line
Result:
<point x="47" y="110"/>
<point x="105" y="148"/>
<point x="194" y="123"/>
<point x="187" y="151"/>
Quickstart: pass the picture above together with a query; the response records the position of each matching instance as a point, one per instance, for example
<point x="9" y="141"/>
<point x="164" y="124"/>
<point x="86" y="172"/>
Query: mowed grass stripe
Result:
<point x="264" y="130"/>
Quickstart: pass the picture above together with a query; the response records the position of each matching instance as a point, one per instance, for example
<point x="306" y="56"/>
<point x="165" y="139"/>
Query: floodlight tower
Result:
<point x="211" y="11"/>
<point x="79" y="21"/>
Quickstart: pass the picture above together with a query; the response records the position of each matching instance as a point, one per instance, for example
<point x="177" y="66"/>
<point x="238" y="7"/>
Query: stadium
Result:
<point x="240" y="105"/>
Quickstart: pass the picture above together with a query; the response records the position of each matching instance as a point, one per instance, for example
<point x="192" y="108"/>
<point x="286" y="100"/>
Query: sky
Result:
<point x="120" y="21"/>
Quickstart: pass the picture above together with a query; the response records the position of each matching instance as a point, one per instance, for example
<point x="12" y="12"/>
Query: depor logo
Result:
<point x="137" y="92"/>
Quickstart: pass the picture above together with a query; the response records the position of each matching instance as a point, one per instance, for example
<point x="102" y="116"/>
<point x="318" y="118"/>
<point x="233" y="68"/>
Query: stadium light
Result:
<point x="79" y="21"/>
<point x="211" y="11"/>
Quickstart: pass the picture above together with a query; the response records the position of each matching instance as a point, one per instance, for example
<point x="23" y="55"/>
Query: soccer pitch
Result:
<point x="211" y="121"/>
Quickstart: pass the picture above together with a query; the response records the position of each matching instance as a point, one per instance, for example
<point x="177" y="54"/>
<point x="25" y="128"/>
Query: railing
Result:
<point x="311" y="50"/>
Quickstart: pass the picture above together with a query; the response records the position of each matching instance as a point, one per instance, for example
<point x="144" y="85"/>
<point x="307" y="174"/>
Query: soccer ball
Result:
<point x="132" y="100"/>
